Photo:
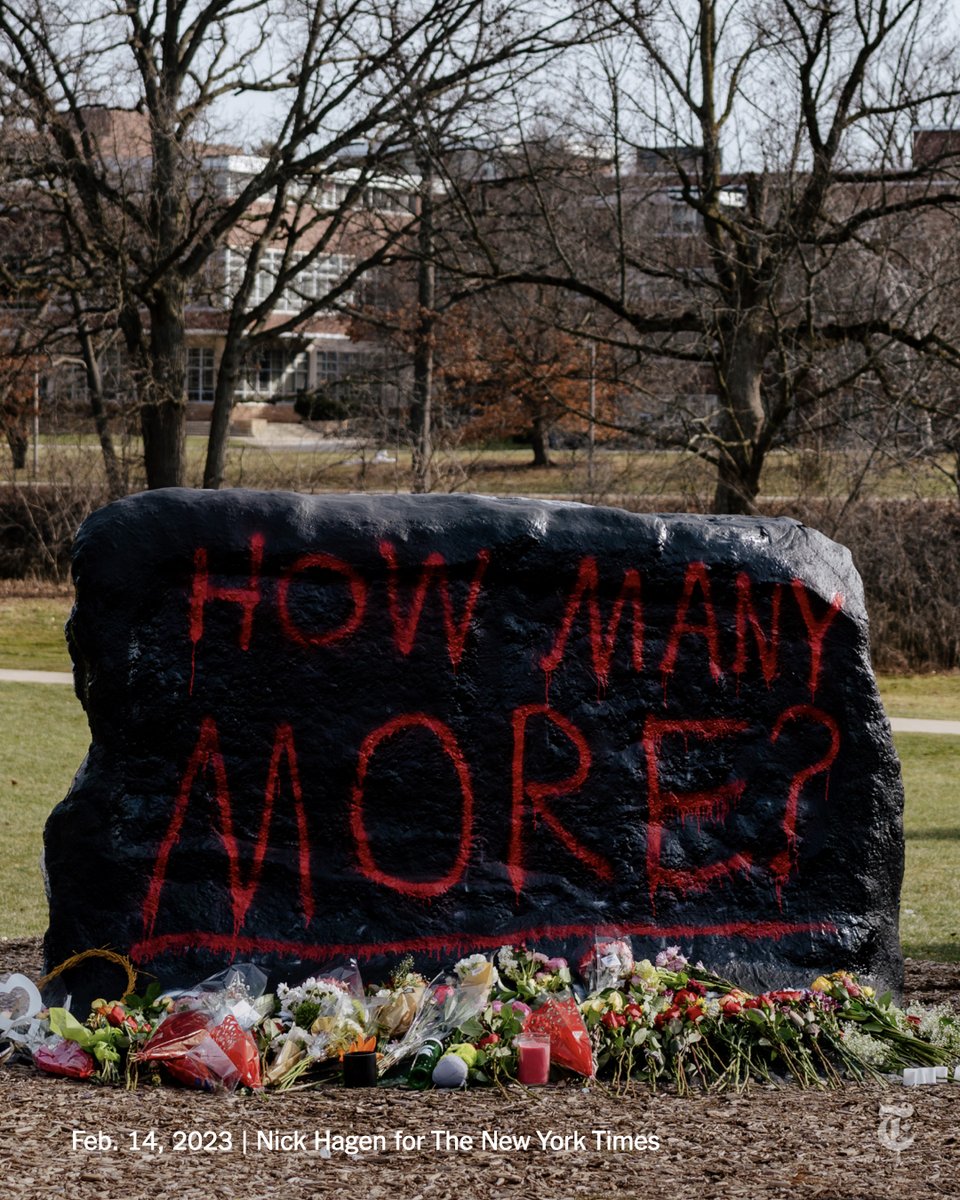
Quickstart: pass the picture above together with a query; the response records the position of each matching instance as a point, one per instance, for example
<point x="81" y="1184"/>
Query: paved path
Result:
<point x="898" y="724"/>
<point x="36" y="677"/>
<point x="918" y="725"/>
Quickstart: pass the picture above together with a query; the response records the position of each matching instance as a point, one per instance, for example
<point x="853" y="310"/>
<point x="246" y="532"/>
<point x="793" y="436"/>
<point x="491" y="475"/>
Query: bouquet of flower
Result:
<point x="392" y="1008"/>
<point x="492" y="1034"/>
<point x="111" y="1036"/>
<point x="448" y="1002"/>
<point x="905" y="1043"/>
<point x="624" y="1034"/>
<point x="607" y="964"/>
<point x="322" y="1017"/>
<point x="527" y="973"/>
<point x="205" y="1040"/>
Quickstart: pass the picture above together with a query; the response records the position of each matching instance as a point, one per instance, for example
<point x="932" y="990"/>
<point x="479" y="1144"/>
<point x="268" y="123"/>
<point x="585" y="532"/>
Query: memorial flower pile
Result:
<point x="660" y="1023"/>
<point x="675" y="1023"/>
<point x="447" y="1004"/>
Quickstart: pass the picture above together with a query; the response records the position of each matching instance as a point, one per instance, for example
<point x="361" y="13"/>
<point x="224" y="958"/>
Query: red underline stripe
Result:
<point x="222" y="943"/>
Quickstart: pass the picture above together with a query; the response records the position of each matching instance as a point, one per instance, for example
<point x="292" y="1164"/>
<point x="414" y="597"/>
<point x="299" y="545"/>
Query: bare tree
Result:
<point x="144" y="190"/>
<point x="730" y="186"/>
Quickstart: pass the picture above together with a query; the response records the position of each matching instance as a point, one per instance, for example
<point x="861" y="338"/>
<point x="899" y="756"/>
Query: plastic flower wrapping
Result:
<point x="394" y="1005"/>
<point x="609" y="961"/>
<point x="205" y="1040"/>
<point x="447" y="1003"/>
<point x="326" y="1016"/>
<point x="660" y="1023"/>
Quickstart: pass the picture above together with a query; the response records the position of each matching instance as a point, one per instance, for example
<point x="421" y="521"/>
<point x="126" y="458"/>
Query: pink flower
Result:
<point x="497" y="1005"/>
<point x="671" y="959"/>
<point x="556" y="964"/>
<point x="518" y="1006"/>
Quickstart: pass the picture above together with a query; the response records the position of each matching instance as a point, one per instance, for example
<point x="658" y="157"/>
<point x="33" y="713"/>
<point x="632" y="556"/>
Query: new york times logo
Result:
<point x="894" y="1130"/>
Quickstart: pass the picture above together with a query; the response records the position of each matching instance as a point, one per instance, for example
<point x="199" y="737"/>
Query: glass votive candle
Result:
<point x="533" y="1053"/>
<point x="360" y="1068"/>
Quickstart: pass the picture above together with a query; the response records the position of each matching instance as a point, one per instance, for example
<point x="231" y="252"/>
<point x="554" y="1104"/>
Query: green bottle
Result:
<point x="421" y="1073"/>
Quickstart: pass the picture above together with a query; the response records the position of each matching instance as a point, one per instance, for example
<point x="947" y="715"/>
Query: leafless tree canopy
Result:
<point x="749" y="206"/>
<point x="136" y="197"/>
<point x="737" y="193"/>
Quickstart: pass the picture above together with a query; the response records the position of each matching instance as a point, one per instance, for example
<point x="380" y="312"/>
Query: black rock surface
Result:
<point x="332" y="726"/>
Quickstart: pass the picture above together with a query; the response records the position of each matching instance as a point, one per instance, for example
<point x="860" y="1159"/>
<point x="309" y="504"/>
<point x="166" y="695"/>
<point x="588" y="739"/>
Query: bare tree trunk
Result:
<point x="18" y="441"/>
<point x="111" y="465"/>
<point x="164" y="411"/>
<point x="421" y="414"/>
<point x="225" y="389"/>
<point x="740" y="441"/>
<point x="540" y="441"/>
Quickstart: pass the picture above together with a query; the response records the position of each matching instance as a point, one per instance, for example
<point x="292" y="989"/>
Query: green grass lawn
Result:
<point x="31" y="633"/>
<point x="930" y="901"/>
<point x="45" y="737"/>
<point x="936" y="697"/>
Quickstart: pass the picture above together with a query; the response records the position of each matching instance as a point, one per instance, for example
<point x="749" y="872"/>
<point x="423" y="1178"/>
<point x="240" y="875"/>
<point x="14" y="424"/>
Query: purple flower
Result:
<point x="518" y="1006"/>
<point x="497" y="1005"/>
<point x="671" y="959"/>
<point x="556" y="964"/>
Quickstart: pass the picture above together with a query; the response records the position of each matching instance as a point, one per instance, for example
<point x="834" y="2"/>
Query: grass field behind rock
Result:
<point x="45" y="736"/>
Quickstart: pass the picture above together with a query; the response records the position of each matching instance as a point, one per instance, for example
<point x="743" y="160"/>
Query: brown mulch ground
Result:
<point x="768" y="1143"/>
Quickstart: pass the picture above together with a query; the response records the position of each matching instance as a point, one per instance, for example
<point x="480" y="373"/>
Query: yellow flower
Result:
<point x="615" y="1001"/>
<point x="822" y="984"/>
<point x="647" y="971"/>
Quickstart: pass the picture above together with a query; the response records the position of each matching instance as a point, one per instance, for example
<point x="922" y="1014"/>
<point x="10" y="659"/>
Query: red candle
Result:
<point x="533" y="1067"/>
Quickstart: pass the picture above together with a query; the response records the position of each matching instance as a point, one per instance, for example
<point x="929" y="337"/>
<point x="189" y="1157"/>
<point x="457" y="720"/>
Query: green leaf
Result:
<point x="472" y="1030"/>
<point x="65" y="1025"/>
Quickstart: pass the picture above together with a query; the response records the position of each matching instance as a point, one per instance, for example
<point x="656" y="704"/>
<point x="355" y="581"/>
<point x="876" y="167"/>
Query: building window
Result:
<point x="306" y="282"/>
<point x="316" y="280"/>
<point x="200" y="377"/>
<point x="273" y="373"/>
<point x="338" y="364"/>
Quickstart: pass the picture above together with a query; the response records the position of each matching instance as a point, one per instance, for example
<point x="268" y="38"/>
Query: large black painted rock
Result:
<point x="351" y="725"/>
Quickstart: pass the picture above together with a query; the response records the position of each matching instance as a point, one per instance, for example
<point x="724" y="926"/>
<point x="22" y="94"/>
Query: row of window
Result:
<point x="274" y="371"/>
<point x="269" y="374"/>
<point x="313" y="281"/>
<point x="334" y="194"/>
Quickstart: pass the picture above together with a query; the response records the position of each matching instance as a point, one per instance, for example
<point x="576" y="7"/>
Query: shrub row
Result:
<point x="37" y="524"/>
<point x="908" y="553"/>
